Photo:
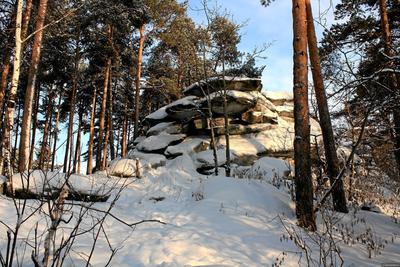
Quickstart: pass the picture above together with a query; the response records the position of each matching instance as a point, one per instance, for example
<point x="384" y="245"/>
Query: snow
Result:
<point x="148" y="159"/>
<point x="234" y="94"/>
<point x="278" y="95"/>
<point x="154" y="143"/>
<point x="210" y="221"/>
<point x="185" y="101"/>
<point x="167" y="127"/>
<point x="126" y="168"/>
<point x="206" y="158"/>
<point x="159" y="114"/>
<point x="39" y="181"/>
<point x="285" y="110"/>
<point x="188" y="146"/>
<point x="270" y="168"/>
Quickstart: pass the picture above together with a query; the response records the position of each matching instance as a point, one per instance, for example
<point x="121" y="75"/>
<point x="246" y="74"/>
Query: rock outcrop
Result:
<point x="260" y="124"/>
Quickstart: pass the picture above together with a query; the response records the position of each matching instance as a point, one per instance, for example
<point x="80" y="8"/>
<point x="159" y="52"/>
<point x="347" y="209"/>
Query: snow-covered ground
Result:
<point x="210" y="221"/>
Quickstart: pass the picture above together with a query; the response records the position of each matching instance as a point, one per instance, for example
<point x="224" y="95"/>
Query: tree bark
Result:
<point x="77" y="156"/>
<point x="107" y="68"/>
<point x="14" y="151"/>
<point x="30" y="88"/>
<point x="91" y="134"/>
<point x="390" y="52"/>
<point x="124" y="130"/>
<point x="53" y="154"/>
<point x="105" y="148"/>
<point x="34" y="127"/>
<point x="226" y="122"/>
<point x="6" y="61"/>
<point x="303" y="179"/>
<point x="9" y="118"/>
<point x="69" y="145"/>
<point x="8" y="50"/>
<point x="137" y="81"/>
<point x="43" y="156"/>
<point x="338" y="193"/>
<point x="110" y="120"/>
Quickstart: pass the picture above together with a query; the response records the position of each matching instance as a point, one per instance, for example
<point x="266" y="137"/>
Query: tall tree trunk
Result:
<point x="43" y="156"/>
<point x="34" y="127"/>
<point x="91" y="134"/>
<point x="7" y="60"/>
<point x="303" y="179"/>
<point x="137" y="81"/>
<point x="338" y="193"/>
<point x="9" y="118"/>
<point x="76" y="168"/>
<point x="30" y="88"/>
<point x="390" y="52"/>
<point x="8" y="50"/>
<point x="69" y="145"/>
<point x="56" y="129"/>
<point x="226" y="122"/>
<point x="118" y="137"/>
<point x="124" y="130"/>
<point x="99" y="162"/>
<point x="14" y="151"/>
<point x="110" y="121"/>
<point x="105" y="147"/>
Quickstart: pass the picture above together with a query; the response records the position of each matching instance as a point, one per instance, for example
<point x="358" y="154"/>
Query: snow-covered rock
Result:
<point x="217" y="83"/>
<point x="45" y="182"/>
<point x="188" y="146"/>
<point x="278" y="98"/>
<point x="184" y="109"/>
<point x="237" y="102"/>
<point x="160" y="142"/>
<point x="151" y="159"/>
<point x="126" y="168"/>
<point x="166" y="127"/>
<point x="157" y="116"/>
<point x="205" y="159"/>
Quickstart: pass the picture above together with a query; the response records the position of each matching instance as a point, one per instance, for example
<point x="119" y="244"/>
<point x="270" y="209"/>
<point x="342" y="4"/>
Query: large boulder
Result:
<point x="214" y="84"/>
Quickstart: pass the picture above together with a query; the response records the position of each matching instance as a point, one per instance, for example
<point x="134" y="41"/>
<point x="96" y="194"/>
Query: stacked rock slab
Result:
<point x="260" y="124"/>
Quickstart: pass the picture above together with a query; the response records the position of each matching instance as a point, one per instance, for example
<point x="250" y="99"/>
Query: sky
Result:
<point x="272" y="24"/>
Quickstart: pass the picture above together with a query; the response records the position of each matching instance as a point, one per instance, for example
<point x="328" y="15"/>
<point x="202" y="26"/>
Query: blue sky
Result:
<point x="271" y="24"/>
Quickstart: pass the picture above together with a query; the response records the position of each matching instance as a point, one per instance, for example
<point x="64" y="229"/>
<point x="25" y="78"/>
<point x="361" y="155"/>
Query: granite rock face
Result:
<point x="260" y="124"/>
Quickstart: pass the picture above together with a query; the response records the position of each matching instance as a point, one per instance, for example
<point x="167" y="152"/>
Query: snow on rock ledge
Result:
<point x="232" y="83"/>
<point x="126" y="168"/>
<point x="154" y="160"/>
<point x="160" y="142"/>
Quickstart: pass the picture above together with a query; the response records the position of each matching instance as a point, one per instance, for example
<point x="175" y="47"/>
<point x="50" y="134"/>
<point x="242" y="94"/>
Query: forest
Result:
<point x="146" y="133"/>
